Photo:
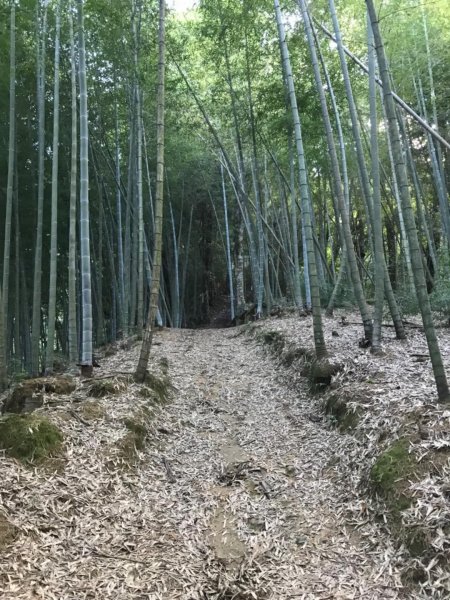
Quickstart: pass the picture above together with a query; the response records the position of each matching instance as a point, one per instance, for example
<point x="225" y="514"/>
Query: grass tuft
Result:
<point x="108" y="387"/>
<point x="29" y="438"/>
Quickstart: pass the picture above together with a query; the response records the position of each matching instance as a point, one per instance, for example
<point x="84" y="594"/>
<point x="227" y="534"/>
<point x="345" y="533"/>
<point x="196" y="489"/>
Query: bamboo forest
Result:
<point x="224" y="299"/>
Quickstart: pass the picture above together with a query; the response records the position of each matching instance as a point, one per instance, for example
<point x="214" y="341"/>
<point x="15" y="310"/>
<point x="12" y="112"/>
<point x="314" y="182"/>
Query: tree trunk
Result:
<point x="319" y="339"/>
<point x="337" y="184"/>
<point x="228" y="247"/>
<point x="54" y="216"/>
<point x="72" y="268"/>
<point x="416" y="258"/>
<point x="159" y="197"/>
<point x="11" y="160"/>
<point x="37" y="279"/>
<point x="86" y="294"/>
<point x="376" y="199"/>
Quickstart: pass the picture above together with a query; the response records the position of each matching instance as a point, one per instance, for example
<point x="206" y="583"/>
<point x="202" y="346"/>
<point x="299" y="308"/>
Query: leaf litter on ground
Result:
<point x="291" y="522"/>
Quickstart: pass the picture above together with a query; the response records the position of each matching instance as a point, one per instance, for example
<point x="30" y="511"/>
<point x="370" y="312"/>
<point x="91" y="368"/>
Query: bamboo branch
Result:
<point x="396" y="97"/>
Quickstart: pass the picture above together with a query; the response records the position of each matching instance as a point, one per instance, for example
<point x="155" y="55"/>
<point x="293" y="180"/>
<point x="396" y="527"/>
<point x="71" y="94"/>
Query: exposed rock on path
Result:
<point x="235" y="495"/>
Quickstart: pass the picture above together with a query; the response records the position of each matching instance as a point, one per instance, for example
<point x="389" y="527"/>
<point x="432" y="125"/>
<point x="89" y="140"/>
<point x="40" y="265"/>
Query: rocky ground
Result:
<point x="237" y="488"/>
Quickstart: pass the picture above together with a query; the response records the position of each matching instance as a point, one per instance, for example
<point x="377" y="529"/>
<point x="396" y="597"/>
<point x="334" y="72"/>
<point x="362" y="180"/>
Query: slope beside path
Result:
<point x="235" y="495"/>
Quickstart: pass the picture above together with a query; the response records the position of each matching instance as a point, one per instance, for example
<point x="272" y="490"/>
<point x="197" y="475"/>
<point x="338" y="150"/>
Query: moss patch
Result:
<point x="138" y="427"/>
<point x="274" y="339"/>
<point x="159" y="389"/>
<point x="146" y="392"/>
<point x="108" y="387"/>
<point x="337" y="408"/>
<point x="320" y="374"/>
<point x="164" y="364"/>
<point x="8" y="532"/>
<point x="92" y="410"/>
<point x="29" y="395"/>
<point x="417" y="541"/>
<point x="29" y="438"/>
<point x="134" y="440"/>
<point x="392" y="468"/>
<point x="293" y="354"/>
<point x="389" y="476"/>
<point x="247" y="329"/>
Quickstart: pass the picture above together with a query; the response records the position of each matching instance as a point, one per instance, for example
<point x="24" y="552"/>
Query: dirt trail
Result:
<point x="257" y="509"/>
<point x="261" y="475"/>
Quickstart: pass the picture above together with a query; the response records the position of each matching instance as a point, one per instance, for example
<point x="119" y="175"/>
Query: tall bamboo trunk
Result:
<point x="86" y="293"/>
<point x="18" y="346"/>
<point x="121" y="294"/>
<point x="239" y="238"/>
<point x="100" y="329"/>
<point x="297" y="290"/>
<point x="257" y="189"/>
<point x="435" y="121"/>
<point x="11" y="160"/>
<point x="439" y="180"/>
<point x="3" y="371"/>
<point x="37" y="279"/>
<point x="402" y="176"/>
<point x="404" y="237"/>
<point x="159" y="197"/>
<point x="362" y="169"/>
<point x="228" y="246"/>
<point x="337" y="183"/>
<point x="176" y="273"/>
<point x="72" y="267"/>
<point x="319" y="340"/>
<point x="54" y="216"/>
<point x="344" y="176"/>
<point x="140" y="216"/>
<point x="376" y="198"/>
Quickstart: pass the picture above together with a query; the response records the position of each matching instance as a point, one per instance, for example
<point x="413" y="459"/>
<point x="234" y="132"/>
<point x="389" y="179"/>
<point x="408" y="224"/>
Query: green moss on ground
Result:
<point x="292" y="354"/>
<point x="134" y="440"/>
<point x="159" y="389"/>
<point x="416" y="540"/>
<point x="108" y="387"/>
<point x="92" y="410"/>
<point x="337" y="408"/>
<point x="29" y="438"/>
<point x="274" y="339"/>
<point x="139" y="428"/>
<point x="29" y="394"/>
<point x="390" y="476"/>
<point x="164" y="364"/>
<point x="320" y="374"/>
<point x="392" y="468"/>
<point x="8" y="532"/>
<point x="249" y="329"/>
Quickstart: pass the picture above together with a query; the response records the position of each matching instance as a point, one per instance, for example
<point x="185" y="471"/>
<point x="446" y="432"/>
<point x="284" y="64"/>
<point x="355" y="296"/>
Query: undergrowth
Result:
<point x="29" y="438"/>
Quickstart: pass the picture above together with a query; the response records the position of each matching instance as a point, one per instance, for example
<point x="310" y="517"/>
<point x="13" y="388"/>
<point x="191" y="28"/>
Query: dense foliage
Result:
<point x="234" y="230"/>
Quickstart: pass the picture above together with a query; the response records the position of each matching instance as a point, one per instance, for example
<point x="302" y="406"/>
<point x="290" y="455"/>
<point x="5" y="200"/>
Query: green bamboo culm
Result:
<point x="54" y="217"/>
<point x="408" y="214"/>
<point x="319" y="339"/>
<point x="147" y="336"/>
<point x="72" y="267"/>
<point x="86" y="294"/>
<point x="336" y="181"/>
<point x="37" y="279"/>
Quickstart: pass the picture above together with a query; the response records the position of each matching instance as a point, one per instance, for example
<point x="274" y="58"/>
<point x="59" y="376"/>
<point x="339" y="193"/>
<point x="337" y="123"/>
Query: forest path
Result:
<point x="267" y="511"/>
<point x="235" y="496"/>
